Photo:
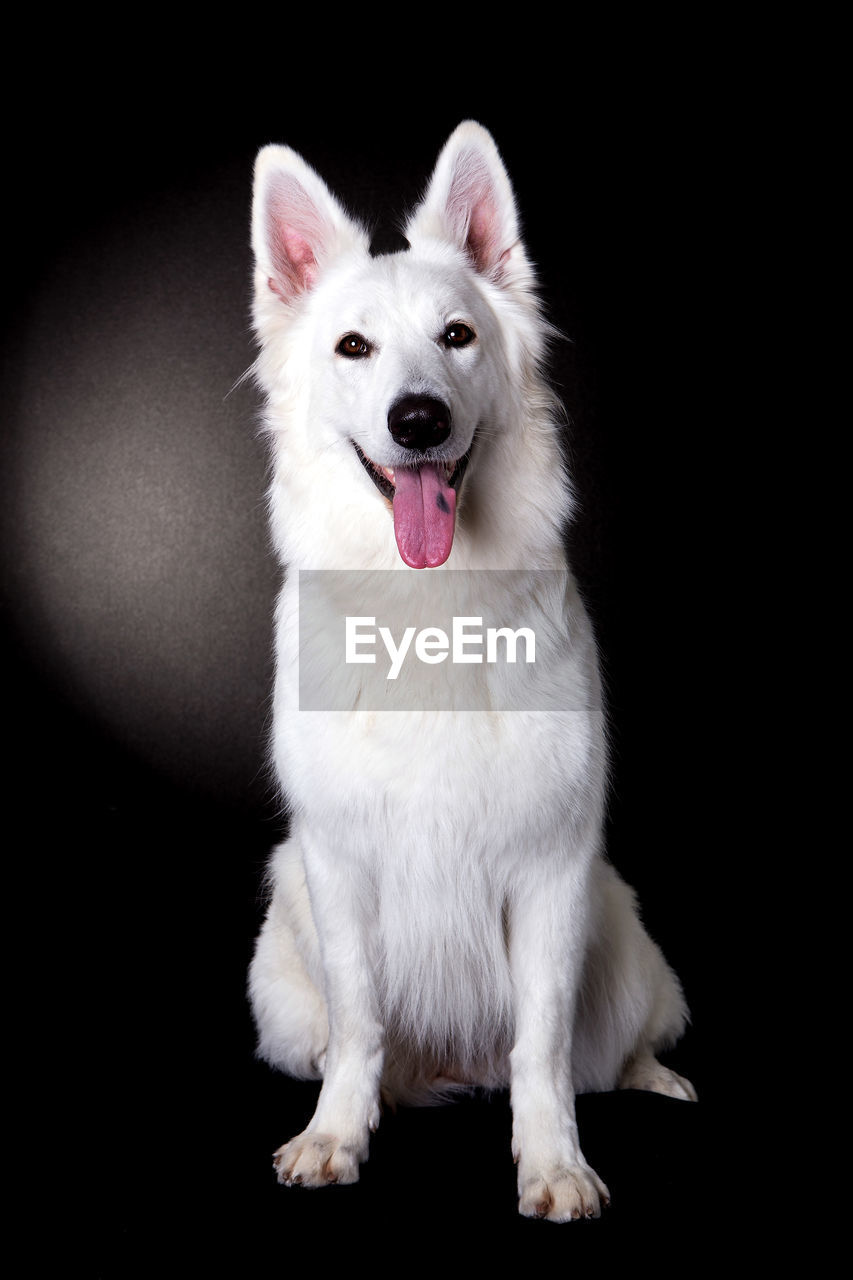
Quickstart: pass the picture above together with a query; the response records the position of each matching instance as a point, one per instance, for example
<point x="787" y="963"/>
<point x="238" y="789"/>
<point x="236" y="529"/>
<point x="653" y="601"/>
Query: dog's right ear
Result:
<point x="297" y="225"/>
<point x="470" y="203"/>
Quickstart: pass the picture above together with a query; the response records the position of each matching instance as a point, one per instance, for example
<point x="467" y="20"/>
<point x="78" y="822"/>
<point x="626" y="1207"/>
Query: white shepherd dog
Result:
<point x="442" y="914"/>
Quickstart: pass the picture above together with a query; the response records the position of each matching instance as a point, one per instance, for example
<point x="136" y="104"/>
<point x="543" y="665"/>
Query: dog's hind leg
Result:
<point x="284" y="978"/>
<point x="631" y="1004"/>
<point x="643" y="1071"/>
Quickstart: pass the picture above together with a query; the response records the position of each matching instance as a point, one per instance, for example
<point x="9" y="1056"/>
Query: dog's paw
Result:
<point x="674" y="1086"/>
<point x="645" y="1072"/>
<point x="563" y="1194"/>
<point x="316" y="1160"/>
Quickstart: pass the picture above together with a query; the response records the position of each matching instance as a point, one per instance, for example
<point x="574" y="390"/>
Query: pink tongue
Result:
<point x="424" y="515"/>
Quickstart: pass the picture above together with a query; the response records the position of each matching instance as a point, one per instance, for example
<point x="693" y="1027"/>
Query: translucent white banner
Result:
<point x="433" y="640"/>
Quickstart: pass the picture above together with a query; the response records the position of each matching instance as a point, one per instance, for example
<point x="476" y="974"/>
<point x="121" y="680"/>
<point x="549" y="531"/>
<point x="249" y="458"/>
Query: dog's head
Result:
<point x="396" y="366"/>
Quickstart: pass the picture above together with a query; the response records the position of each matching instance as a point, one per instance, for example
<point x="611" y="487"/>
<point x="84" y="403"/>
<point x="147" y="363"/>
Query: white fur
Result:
<point x="441" y="914"/>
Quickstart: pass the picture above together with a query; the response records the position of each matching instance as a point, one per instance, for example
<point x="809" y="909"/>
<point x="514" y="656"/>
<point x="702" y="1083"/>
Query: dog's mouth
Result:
<point x="423" y="501"/>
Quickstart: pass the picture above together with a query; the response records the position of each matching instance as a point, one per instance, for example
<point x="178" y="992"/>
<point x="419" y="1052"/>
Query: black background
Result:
<point x="138" y="594"/>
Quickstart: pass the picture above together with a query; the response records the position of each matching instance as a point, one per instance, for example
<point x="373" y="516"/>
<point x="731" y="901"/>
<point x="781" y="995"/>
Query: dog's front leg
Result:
<point x="547" y="943"/>
<point x="337" y="1137"/>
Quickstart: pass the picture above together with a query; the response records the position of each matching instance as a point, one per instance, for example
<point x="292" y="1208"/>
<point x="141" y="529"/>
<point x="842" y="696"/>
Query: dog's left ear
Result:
<point x="298" y="227"/>
<point x="470" y="202"/>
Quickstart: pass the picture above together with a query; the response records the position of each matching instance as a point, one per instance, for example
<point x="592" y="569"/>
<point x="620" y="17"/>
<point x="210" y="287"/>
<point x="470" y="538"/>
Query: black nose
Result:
<point x="419" y="422"/>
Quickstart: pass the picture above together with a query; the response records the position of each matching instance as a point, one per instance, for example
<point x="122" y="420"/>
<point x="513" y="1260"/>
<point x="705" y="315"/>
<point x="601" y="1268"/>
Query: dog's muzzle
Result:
<point x="423" y="492"/>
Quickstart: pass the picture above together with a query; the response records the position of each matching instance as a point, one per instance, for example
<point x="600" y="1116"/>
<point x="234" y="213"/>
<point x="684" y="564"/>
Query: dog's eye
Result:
<point x="458" y="334"/>
<point x="353" y="346"/>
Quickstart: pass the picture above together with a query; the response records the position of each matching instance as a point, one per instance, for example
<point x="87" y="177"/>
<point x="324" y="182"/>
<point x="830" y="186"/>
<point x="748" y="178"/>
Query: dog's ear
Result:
<point x="297" y="225"/>
<point x="470" y="202"/>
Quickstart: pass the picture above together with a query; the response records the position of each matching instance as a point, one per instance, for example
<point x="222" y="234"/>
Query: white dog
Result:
<point x="442" y="914"/>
